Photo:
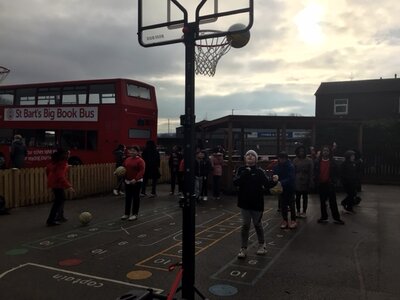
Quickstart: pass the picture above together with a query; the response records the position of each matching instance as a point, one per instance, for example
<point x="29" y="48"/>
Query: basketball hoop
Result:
<point x="3" y="73"/>
<point x="208" y="52"/>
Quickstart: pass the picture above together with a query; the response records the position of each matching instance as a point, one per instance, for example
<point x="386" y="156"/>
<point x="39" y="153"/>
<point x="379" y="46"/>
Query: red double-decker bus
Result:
<point x="89" y="117"/>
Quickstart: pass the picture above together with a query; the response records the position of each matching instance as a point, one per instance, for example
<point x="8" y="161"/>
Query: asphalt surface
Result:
<point x="109" y="258"/>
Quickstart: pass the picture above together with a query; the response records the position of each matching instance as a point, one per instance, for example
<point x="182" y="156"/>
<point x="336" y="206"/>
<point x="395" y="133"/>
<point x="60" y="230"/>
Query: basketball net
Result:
<point x="3" y="73"/>
<point x="208" y="52"/>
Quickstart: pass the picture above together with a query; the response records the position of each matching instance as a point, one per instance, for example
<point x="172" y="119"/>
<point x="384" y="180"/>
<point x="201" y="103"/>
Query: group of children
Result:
<point x="204" y="166"/>
<point x="297" y="178"/>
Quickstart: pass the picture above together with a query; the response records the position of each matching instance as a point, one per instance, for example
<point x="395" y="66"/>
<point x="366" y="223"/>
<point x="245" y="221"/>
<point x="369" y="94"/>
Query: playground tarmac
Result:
<point x="109" y="258"/>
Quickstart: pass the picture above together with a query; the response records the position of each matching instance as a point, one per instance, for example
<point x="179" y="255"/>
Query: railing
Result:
<point x="24" y="187"/>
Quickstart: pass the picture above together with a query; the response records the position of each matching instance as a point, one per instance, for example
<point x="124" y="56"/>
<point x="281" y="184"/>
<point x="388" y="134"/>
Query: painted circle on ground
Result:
<point x="70" y="262"/>
<point x="18" y="251"/>
<point x="139" y="275"/>
<point x="223" y="290"/>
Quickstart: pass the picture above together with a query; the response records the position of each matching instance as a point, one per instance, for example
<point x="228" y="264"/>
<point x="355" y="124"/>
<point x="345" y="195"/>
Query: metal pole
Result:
<point x="189" y="205"/>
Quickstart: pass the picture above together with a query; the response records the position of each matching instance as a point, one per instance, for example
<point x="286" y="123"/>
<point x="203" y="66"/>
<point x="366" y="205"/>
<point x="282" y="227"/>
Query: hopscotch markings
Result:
<point x="105" y="250"/>
<point x="83" y="232"/>
<point x="162" y="259"/>
<point x="249" y="270"/>
<point x="92" y="277"/>
<point x="203" y="240"/>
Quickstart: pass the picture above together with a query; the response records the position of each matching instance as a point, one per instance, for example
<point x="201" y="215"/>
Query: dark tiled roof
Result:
<point x="359" y="86"/>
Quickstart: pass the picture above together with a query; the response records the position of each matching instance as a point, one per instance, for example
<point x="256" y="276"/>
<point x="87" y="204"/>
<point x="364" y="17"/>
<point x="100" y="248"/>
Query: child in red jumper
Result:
<point x="56" y="172"/>
<point x="135" y="167"/>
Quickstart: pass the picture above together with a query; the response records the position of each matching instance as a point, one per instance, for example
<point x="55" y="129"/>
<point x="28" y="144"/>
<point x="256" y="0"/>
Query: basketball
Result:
<point x="85" y="217"/>
<point x="238" y="40"/>
<point x="120" y="171"/>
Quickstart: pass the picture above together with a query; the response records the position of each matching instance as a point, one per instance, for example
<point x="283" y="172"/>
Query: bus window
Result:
<point x="101" y="93"/>
<point x="73" y="139"/>
<point x="74" y="95"/>
<point x="6" y="136"/>
<point x="49" y="96"/>
<point x="38" y="137"/>
<point x="92" y="140"/>
<point x="139" y="133"/>
<point x="25" y="97"/>
<point x="47" y="138"/>
<point x="138" y="91"/>
<point x="7" y="97"/>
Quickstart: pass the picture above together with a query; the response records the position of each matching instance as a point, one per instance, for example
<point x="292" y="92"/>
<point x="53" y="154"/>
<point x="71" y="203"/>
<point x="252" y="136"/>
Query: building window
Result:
<point x="340" y="107"/>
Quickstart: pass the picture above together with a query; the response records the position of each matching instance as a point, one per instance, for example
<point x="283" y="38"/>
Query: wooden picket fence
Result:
<point x="24" y="187"/>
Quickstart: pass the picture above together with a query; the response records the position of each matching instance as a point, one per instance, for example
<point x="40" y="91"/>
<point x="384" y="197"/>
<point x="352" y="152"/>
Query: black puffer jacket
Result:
<point x="251" y="182"/>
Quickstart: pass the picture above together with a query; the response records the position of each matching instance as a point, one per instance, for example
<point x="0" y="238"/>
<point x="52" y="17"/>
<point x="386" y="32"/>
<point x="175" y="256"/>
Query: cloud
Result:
<point x="278" y="72"/>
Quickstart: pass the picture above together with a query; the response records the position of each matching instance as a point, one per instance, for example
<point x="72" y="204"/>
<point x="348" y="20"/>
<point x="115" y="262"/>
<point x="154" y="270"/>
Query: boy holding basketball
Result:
<point x="251" y="181"/>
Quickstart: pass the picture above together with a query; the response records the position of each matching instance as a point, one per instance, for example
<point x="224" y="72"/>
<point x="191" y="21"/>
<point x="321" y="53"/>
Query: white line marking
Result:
<point x="126" y="231"/>
<point x="158" y="291"/>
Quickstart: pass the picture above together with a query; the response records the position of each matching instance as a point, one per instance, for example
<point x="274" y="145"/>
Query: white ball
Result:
<point x="85" y="217"/>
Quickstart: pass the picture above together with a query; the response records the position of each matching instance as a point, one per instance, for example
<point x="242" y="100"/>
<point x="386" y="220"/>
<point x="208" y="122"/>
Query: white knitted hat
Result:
<point x="252" y="152"/>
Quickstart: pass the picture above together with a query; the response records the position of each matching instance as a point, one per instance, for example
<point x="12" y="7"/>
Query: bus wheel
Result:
<point x="74" y="161"/>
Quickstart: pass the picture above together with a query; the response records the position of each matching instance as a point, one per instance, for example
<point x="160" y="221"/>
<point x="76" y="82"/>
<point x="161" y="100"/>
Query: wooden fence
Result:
<point x="24" y="187"/>
<point x="29" y="186"/>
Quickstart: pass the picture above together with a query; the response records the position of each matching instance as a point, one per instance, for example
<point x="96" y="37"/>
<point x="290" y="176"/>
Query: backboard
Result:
<point x="161" y="21"/>
<point x="3" y="73"/>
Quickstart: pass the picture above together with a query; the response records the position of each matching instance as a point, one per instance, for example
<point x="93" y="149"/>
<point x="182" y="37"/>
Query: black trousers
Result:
<point x="351" y="191"/>
<point x="216" y="186"/>
<point x="298" y="201"/>
<point x="57" y="209"/>
<point x="327" y="193"/>
<point x="286" y="200"/>
<point x="132" y="198"/>
<point x="153" y="184"/>
<point x="174" y="180"/>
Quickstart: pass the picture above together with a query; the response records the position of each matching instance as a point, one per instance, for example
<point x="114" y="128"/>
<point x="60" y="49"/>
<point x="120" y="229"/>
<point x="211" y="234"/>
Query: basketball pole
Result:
<point x="189" y="205"/>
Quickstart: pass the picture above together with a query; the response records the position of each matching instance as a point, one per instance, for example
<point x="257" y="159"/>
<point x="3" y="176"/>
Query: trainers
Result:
<point x="171" y="193"/>
<point x="62" y="219"/>
<point x="349" y="211"/>
<point x="339" y="222"/>
<point x="54" y="223"/>
<point x="284" y="224"/>
<point x="262" y="250"/>
<point x="152" y="195"/>
<point x="115" y="192"/>
<point x="205" y="198"/>
<point x="293" y="225"/>
<point x="303" y="215"/>
<point x="143" y="194"/>
<point x="124" y="217"/>
<point x="121" y="193"/>
<point x="322" y="221"/>
<point x="242" y="253"/>
<point x="132" y="218"/>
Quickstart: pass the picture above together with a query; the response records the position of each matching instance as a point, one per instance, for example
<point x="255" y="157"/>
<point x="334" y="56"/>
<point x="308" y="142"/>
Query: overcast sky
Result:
<point x="295" y="45"/>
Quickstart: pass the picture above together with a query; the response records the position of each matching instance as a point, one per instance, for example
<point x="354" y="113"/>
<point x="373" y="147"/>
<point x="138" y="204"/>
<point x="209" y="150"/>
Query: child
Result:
<point x="325" y="177"/>
<point x="251" y="181"/>
<point x="119" y="156"/>
<point x="285" y="171"/>
<point x="135" y="167"/>
<point x="56" y="172"/>
<point x="202" y="168"/>
<point x="217" y="162"/>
